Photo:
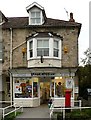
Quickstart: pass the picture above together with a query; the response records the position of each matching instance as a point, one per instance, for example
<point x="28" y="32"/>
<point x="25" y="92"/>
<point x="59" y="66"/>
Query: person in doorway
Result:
<point x="59" y="89"/>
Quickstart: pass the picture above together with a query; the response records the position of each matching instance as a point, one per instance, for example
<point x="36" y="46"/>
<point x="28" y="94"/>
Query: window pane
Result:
<point x="32" y="14"/>
<point x="46" y="52"/>
<point x="59" y="88"/>
<point x="37" y="14"/>
<point x="55" y="44"/>
<point x="30" y="44"/>
<point x="46" y="43"/>
<point x="35" y="87"/>
<point x="56" y="52"/>
<point x="38" y="20"/>
<point x="39" y="43"/>
<point x="31" y="53"/>
<point x="39" y="52"/>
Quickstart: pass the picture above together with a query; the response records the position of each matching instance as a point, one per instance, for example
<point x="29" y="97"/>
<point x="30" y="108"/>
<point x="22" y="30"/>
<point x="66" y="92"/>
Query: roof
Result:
<point x="3" y="16"/>
<point x="44" y="34"/>
<point x="32" y="5"/>
<point x="22" y="22"/>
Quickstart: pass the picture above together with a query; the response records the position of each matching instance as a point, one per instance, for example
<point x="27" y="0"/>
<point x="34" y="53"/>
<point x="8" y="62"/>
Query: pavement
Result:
<point x="41" y="113"/>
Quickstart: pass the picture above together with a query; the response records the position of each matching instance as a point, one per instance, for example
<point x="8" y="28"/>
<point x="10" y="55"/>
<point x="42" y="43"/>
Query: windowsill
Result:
<point x="27" y="98"/>
<point x="37" y="58"/>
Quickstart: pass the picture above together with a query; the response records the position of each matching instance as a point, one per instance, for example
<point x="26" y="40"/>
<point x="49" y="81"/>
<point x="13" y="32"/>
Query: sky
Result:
<point x="55" y="9"/>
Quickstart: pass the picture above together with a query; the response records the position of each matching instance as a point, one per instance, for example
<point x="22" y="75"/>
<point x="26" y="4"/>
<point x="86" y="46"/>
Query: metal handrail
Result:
<point x="16" y="107"/>
<point x="63" y="108"/>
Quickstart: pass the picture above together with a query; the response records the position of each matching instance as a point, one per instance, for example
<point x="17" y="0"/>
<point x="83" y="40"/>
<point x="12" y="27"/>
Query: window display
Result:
<point x="23" y="88"/>
<point x="59" y="87"/>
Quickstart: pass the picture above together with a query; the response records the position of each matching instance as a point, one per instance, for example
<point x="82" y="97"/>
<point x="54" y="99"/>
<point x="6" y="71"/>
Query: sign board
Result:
<point x="69" y="83"/>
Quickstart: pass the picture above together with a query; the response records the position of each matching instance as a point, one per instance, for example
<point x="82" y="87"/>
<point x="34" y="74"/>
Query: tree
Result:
<point x="87" y="59"/>
<point x="84" y="73"/>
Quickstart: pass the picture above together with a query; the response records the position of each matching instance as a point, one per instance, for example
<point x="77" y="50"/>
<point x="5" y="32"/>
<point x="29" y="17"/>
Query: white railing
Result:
<point x="14" y="106"/>
<point x="62" y="109"/>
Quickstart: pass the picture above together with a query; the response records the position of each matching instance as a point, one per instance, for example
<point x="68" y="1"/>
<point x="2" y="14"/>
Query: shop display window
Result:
<point x="35" y="87"/>
<point x="23" y="88"/>
<point x="59" y="87"/>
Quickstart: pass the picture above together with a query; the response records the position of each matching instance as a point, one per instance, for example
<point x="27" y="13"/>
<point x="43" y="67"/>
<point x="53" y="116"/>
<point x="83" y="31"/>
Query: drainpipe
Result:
<point x="11" y="39"/>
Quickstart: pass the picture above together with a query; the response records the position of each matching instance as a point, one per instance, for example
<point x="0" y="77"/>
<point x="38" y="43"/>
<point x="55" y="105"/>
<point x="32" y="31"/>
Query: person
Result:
<point x="59" y="89"/>
<point x="50" y="102"/>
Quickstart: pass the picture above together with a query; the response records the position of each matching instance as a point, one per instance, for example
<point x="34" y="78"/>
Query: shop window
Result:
<point x="52" y="89"/>
<point x="35" y="87"/>
<point x="23" y="88"/>
<point x="59" y="87"/>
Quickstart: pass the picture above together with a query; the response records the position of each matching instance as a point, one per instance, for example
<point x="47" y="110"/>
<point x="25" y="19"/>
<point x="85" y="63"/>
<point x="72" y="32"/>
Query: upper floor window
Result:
<point x="42" y="47"/>
<point x="35" y="17"/>
<point x="31" y="48"/>
<point x="56" y="49"/>
<point x="42" y="44"/>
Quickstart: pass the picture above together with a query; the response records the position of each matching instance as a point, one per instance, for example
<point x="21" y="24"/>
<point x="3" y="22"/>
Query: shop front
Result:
<point x="35" y="88"/>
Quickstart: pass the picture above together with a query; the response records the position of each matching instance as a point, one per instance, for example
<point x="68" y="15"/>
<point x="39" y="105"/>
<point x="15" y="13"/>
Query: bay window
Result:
<point x="43" y="46"/>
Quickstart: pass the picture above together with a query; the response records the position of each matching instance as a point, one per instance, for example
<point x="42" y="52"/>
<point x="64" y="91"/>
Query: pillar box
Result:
<point x="68" y="98"/>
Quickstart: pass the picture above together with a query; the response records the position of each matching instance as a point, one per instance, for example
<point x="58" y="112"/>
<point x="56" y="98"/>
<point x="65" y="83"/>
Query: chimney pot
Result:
<point x="71" y="17"/>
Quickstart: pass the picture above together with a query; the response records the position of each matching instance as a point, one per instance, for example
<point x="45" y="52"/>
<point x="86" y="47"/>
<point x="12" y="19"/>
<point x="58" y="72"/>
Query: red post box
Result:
<point x="68" y="98"/>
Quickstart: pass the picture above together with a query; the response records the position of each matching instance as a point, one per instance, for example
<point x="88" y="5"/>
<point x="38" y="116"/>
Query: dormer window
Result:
<point x="37" y="14"/>
<point x="35" y="17"/>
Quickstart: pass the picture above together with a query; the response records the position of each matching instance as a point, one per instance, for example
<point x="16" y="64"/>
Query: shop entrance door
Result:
<point x="44" y="92"/>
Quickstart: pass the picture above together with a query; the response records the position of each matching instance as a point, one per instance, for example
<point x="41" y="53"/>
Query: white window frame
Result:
<point x="35" y="10"/>
<point x="55" y="48"/>
<point x="42" y="40"/>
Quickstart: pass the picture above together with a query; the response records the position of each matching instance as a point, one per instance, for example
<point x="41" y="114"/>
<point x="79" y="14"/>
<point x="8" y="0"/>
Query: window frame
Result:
<point x="33" y="19"/>
<point x="31" y="49"/>
<point x="51" y="48"/>
<point x="55" y="49"/>
<point x="43" y="48"/>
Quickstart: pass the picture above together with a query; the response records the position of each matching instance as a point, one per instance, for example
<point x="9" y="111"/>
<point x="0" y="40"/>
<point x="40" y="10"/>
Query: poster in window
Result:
<point x="18" y="88"/>
<point x="69" y="83"/>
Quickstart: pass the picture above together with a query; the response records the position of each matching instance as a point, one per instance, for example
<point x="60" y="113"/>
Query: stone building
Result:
<point x="39" y="53"/>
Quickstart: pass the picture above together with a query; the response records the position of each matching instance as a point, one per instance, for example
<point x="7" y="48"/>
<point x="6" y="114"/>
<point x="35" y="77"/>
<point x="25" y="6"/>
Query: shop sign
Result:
<point x="21" y="75"/>
<point x="43" y="74"/>
<point x="76" y="89"/>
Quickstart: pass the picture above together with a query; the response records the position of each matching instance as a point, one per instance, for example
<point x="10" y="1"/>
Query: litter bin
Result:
<point x="68" y="98"/>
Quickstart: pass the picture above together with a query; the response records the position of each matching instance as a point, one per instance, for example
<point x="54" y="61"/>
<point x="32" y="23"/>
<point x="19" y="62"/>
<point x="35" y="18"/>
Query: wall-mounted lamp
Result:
<point x="65" y="49"/>
<point x="23" y="52"/>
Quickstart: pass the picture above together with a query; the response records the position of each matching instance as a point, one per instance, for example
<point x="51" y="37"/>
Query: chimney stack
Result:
<point x="71" y="17"/>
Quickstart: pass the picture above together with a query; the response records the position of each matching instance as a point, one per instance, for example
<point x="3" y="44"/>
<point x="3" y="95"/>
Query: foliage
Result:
<point x="75" y="115"/>
<point x="84" y="75"/>
<point x="87" y="59"/>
